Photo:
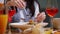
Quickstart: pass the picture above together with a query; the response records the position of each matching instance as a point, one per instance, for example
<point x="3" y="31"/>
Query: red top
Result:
<point x="10" y="14"/>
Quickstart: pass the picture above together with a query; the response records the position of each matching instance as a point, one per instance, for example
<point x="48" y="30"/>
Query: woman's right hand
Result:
<point x="19" y="3"/>
<point x="41" y="17"/>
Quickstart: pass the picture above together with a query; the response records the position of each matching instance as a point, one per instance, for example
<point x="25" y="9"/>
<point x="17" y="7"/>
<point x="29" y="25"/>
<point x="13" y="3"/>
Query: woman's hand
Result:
<point x="41" y="17"/>
<point x="19" y="3"/>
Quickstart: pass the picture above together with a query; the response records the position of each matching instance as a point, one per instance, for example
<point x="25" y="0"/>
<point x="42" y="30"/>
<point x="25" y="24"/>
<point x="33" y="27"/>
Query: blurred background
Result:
<point x="43" y="5"/>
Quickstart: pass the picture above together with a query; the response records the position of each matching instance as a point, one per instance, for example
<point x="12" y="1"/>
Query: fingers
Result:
<point x="19" y="3"/>
<point x="41" y="16"/>
<point x="23" y="3"/>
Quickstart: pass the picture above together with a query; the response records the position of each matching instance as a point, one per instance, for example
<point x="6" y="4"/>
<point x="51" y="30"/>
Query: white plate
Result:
<point x="20" y="23"/>
<point x="23" y="23"/>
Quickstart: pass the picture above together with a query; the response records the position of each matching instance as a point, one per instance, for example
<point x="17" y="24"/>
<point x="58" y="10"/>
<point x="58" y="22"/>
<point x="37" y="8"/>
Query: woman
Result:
<point x="26" y="10"/>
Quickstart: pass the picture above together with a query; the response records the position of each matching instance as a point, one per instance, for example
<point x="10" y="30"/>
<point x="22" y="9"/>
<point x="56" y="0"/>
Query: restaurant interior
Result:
<point x="12" y="23"/>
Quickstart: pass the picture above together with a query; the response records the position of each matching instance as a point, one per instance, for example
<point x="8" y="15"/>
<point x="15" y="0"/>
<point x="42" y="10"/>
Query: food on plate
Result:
<point x="31" y="21"/>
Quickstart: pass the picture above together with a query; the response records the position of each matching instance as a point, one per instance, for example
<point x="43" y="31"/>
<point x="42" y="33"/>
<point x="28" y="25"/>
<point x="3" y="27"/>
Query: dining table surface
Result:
<point x="23" y="27"/>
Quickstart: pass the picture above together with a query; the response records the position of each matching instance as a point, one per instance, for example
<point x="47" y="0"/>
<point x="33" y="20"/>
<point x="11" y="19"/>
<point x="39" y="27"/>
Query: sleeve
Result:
<point x="36" y="9"/>
<point x="16" y="18"/>
<point x="19" y="15"/>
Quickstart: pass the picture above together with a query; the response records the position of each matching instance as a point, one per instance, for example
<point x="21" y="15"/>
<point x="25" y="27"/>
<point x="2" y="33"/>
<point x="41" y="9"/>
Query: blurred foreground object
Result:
<point x="57" y="32"/>
<point x="36" y="29"/>
<point x="3" y="17"/>
<point x="56" y="23"/>
<point x="1" y="3"/>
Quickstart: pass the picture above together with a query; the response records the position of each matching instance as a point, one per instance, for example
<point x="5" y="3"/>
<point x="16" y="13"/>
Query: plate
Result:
<point x="19" y="23"/>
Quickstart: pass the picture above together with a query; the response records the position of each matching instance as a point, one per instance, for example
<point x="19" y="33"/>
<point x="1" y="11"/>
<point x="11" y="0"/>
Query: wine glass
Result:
<point x="52" y="9"/>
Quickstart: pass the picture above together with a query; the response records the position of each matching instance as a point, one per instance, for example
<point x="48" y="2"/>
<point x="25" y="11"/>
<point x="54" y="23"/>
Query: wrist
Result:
<point x="38" y="20"/>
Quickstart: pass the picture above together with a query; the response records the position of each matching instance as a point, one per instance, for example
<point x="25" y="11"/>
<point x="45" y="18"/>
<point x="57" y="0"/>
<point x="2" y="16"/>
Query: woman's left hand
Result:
<point x="41" y="17"/>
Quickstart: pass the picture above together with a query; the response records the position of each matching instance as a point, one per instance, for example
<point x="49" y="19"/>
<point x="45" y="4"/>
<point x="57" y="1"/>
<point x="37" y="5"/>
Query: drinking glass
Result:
<point x="3" y="17"/>
<point x="52" y="9"/>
